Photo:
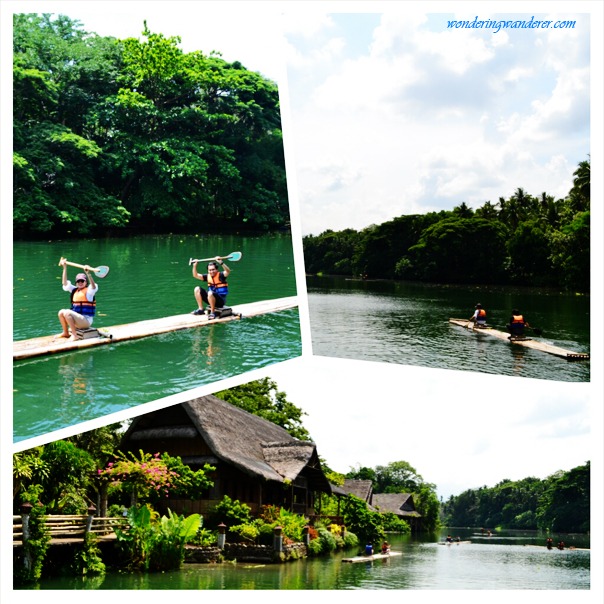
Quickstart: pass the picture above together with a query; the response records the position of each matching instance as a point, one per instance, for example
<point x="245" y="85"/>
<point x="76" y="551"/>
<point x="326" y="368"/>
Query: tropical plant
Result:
<point x="35" y="547"/>
<point x="87" y="560"/>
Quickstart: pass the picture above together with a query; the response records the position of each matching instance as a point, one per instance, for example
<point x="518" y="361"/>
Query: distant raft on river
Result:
<point x="569" y="355"/>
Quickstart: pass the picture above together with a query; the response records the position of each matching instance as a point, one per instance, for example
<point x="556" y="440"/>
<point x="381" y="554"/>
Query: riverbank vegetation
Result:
<point x="558" y="503"/>
<point x="73" y="475"/>
<point x="521" y="240"/>
<point x="136" y="136"/>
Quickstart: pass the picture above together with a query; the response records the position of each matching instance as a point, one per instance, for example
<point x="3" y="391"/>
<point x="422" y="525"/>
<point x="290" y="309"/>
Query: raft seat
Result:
<point x="85" y="334"/>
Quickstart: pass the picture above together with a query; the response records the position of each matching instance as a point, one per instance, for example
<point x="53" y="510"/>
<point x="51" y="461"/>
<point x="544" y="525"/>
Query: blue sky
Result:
<point x="394" y="114"/>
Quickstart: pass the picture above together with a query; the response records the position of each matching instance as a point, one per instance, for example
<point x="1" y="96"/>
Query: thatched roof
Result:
<point x="362" y="489"/>
<point x="400" y="504"/>
<point x="252" y="444"/>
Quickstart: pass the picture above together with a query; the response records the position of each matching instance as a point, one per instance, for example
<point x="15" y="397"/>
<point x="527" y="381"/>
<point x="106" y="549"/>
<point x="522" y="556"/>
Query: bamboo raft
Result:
<point x="47" y="345"/>
<point x="526" y="342"/>
<point x="453" y="542"/>
<point x="370" y="558"/>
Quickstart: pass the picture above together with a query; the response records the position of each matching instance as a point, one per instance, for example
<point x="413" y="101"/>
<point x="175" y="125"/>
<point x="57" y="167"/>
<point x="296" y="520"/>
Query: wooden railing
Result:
<point x="70" y="526"/>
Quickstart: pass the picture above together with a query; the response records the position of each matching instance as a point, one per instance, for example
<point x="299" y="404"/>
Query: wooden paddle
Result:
<point x="233" y="257"/>
<point x="100" y="271"/>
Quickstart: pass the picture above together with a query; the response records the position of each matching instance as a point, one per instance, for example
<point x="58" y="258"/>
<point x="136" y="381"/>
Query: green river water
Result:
<point x="505" y="561"/>
<point x="149" y="278"/>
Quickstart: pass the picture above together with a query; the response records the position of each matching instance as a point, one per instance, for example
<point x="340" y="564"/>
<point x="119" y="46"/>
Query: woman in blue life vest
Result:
<point x="217" y="290"/>
<point x="517" y="324"/>
<point x="479" y="318"/>
<point x="83" y="302"/>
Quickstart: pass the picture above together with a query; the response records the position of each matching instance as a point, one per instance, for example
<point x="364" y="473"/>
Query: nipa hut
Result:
<point x="256" y="461"/>
<point x="400" y="504"/>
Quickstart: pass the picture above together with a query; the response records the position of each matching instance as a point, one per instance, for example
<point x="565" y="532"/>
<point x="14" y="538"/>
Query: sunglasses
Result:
<point x="80" y="280"/>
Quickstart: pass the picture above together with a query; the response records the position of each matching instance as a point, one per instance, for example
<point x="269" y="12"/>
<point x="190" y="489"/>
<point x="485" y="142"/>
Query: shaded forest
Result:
<point x="559" y="503"/>
<point x="136" y="136"/>
<point x="521" y="240"/>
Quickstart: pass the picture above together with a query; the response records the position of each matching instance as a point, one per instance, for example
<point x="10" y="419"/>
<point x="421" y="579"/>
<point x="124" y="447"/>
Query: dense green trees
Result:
<point x="263" y="398"/>
<point x="112" y="134"/>
<point x="522" y="240"/>
<point x="402" y="477"/>
<point x="558" y="503"/>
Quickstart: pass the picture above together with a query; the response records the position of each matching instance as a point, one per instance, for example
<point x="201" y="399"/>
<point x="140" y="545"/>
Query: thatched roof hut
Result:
<point x="363" y="489"/>
<point x="256" y="461"/>
<point x="401" y="504"/>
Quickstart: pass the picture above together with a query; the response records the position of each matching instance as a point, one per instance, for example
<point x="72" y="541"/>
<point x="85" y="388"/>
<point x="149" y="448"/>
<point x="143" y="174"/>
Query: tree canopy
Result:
<point x="115" y="136"/>
<point x="522" y="240"/>
<point x="263" y="398"/>
<point x="558" y="503"/>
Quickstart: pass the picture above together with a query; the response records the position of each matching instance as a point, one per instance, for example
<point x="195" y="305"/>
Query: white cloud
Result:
<point x="458" y="430"/>
<point x="428" y="118"/>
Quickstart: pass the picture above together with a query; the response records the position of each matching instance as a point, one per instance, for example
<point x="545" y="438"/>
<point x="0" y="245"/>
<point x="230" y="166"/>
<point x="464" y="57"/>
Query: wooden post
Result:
<point x="91" y="513"/>
<point x="306" y="535"/>
<point x="25" y="512"/>
<point x="221" y="535"/>
<point x="278" y="539"/>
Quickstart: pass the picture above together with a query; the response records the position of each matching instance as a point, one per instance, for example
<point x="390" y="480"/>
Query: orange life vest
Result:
<point x="217" y="283"/>
<point x="81" y="304"/>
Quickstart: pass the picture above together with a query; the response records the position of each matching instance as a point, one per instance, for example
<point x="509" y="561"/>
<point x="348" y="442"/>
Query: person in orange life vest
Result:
<point x="479" y="317"/>
<point x="517" y="324"/>
<point x="217" y="291"/>
<point x="83" y="303"/>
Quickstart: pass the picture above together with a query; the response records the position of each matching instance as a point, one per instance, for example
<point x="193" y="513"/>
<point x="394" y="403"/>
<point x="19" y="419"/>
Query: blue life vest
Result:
<point x="81" y="304"/>
<point x="217" y="284"/>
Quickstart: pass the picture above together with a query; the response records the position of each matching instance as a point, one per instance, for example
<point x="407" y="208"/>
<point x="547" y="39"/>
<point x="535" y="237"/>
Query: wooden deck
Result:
<point x="569" y="355"/>
<point x="48" y="345"/>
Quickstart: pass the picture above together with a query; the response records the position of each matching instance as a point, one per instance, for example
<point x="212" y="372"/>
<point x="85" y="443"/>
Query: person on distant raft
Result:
<point x="83" y="302"/>
<point x="385" y="547"/>
<point x="217" y="291"/>
<point x="479" y="318"/>
<point x="517" y="324"/>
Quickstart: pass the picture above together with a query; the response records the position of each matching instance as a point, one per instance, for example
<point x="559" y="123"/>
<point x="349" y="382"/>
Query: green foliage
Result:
<point x="246" y="532"/>
<point x="327" y="540"/>
<point x="565" y="503"/>
<point x="87" y="560"/>
<point x="136" y="541"/>
<point x="35" y="548"/>
<point x="187" y="483"/>
<point x="109" y="133"/>
<point x="262" y="398"/>
<point x="28" y="469"/>
<point x="558" y="503"/>
<point x="523" y="239"/>
<point x="229" y="512"/>
<point x="151" y="543"/>
<point x="367" y="525"/>
<point x="292" y="524"/>
<point x="394" y="524"/>
<point x="70" y="472"/>
<point x="171" y="535"/>
<point x="402" y="477"/>
<point x="203" y="537"/>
